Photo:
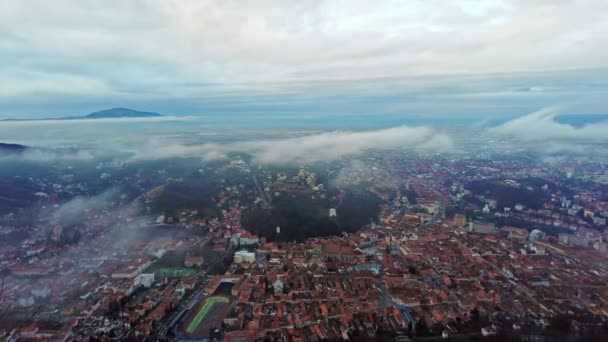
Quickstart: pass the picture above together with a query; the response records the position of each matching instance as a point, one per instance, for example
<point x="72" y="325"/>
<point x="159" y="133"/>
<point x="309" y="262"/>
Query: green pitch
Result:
<point x="209" y="303"/>
<point x="175" y="272"/>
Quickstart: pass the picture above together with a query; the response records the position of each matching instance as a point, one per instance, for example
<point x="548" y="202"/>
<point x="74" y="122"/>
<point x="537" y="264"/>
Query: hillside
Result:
<point x="11" y="148"/>
<point x="119" y="113"/>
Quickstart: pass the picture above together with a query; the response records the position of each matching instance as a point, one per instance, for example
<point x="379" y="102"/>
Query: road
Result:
<point x="185" y="305"/>
<point x="267" y="199"/>
<point x="386" y="300"/>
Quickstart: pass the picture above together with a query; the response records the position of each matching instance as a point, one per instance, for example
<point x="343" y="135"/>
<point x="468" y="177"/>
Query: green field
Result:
<point x="209" y="303"/>
<point x="174" y="272"/>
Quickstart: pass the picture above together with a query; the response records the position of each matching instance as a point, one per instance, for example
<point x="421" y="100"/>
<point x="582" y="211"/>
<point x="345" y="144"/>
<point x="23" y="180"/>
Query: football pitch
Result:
<point x="175" y="272"/>
<point x="209" y="304"/>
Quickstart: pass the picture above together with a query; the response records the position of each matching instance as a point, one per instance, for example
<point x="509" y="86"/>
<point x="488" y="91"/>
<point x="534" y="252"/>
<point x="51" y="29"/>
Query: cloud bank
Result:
<point x="75" y="209"/>
<point x="71" y="57"/>
<point x="308" y="149"/>
<point x="540" y="131"/>
<point x="541" y="126"/>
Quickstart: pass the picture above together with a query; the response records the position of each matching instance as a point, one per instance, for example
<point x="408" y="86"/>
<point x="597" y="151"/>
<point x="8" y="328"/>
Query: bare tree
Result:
<point x="3" y="301"/>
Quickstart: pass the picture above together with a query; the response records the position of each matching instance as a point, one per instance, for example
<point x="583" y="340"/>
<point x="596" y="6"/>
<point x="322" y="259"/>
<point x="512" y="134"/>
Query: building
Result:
<point x="486" y="209"/>
<point x="460" y="220"/>
<point x="573" y="240"/>
<point x="144" y="279"/>
<point x="431" y="208"/>
<point x="335" y="252"/>
<point x="482" y="227"/>
<point x="193" y="261"/>
<point x="244" y="257"/>
<point x="599" y="221"/>
<point x="247" y="239"/>
<point x="600" y="246"/>
<point x="513" y="233"/>
<point x="536" y="234"/>
<point x="41" y="292"/>
<point x="370" y="235"/>
<point x="132" y="269"/>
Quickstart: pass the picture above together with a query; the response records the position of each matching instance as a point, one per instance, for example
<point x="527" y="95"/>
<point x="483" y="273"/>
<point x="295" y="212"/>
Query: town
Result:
<point x="446" y="247"/>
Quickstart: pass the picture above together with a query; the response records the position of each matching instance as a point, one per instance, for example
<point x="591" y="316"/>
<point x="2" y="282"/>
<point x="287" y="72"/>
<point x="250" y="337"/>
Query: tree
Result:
<point x="421" y="328"/>
<point x="113" y="307"/>
<point x="474" y="314"/>
<point x="3" y="273"/>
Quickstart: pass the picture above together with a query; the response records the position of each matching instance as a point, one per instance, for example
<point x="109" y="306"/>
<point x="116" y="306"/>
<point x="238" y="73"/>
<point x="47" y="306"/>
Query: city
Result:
<point x="439" y="257"/>
<point x="303" y="171"/>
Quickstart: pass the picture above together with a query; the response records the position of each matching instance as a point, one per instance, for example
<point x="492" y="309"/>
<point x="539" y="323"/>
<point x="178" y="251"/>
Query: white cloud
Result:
<point x="540" y="126"/>
<point x="539" y="131"/>
<point x="150" y="48"/>
<point x="75" y="209"/>
<point x="307" y="149"/>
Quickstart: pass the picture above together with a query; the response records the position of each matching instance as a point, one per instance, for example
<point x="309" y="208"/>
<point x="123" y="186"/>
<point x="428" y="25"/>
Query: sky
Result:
<point x="314" y="58"/>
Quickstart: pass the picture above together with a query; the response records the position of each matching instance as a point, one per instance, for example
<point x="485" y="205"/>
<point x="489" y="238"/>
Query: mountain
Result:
<point x="12" y="148"/>
<point x="114" y="113"/>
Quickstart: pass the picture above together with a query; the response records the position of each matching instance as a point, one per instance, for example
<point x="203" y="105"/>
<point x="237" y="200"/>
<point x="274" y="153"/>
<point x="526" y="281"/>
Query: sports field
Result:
<point x="209" y="304"/>
<point x="175" y="272"/>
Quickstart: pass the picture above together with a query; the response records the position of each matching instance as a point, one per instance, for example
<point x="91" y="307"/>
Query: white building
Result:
<point x="41" y="292"/>
<point x="482" y="227"/>
<point x="536" y="235"/>
<point x="246" y="239"/>
<point x="486" y="209"/>
<point x="332" y="212"/>
<point x="144" y="279"/>
<point x="244" y="257"/>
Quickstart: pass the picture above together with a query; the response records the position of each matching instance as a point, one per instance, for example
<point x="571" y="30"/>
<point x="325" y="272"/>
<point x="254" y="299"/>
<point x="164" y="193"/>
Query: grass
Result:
<point x="175" y="272"/>
<point x="209" y="303"/>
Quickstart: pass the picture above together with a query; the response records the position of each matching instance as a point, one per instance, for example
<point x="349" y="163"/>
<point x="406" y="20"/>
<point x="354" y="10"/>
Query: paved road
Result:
<point x="185" y="305"/>
<point x="267" y="199"/>
<point x="386" y="300"/>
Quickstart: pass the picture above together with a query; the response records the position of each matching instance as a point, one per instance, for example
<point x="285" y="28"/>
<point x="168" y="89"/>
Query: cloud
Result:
<point x="541" y="126"/>
<point x="307" y="149"/>
<point x="74" y="211"/>
<point x="69" y="54"/>
<point x="37" y="155"/>
<point x="540" y="131"/>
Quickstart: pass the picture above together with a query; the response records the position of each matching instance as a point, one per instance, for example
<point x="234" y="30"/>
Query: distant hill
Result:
<point x="112" y="113"/>
<point x="11" y="148"/>
<point x="119" y="113"/>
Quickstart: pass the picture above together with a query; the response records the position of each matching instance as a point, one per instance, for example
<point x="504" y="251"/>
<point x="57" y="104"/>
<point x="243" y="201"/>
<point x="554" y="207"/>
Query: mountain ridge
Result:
<point x="110" y="113"/>
<point x="9" y="148"/>
<point x="119" y="112"/>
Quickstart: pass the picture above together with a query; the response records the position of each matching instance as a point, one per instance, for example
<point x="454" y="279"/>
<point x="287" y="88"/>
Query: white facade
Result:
<point x="244" y="257"/>
<point x="144" y="279"/>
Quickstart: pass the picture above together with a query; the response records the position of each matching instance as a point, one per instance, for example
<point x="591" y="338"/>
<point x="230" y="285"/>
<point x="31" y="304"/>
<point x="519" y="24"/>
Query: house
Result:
<point x="193" y="261"/>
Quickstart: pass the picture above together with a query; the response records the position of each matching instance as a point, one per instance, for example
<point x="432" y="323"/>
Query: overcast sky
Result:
<point x="432" y="57"/>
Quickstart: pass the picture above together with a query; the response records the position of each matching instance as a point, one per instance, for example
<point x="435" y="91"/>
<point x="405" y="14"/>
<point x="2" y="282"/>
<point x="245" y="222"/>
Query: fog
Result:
<point x="152" y="144"/>
<point x="540" y="131"/>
